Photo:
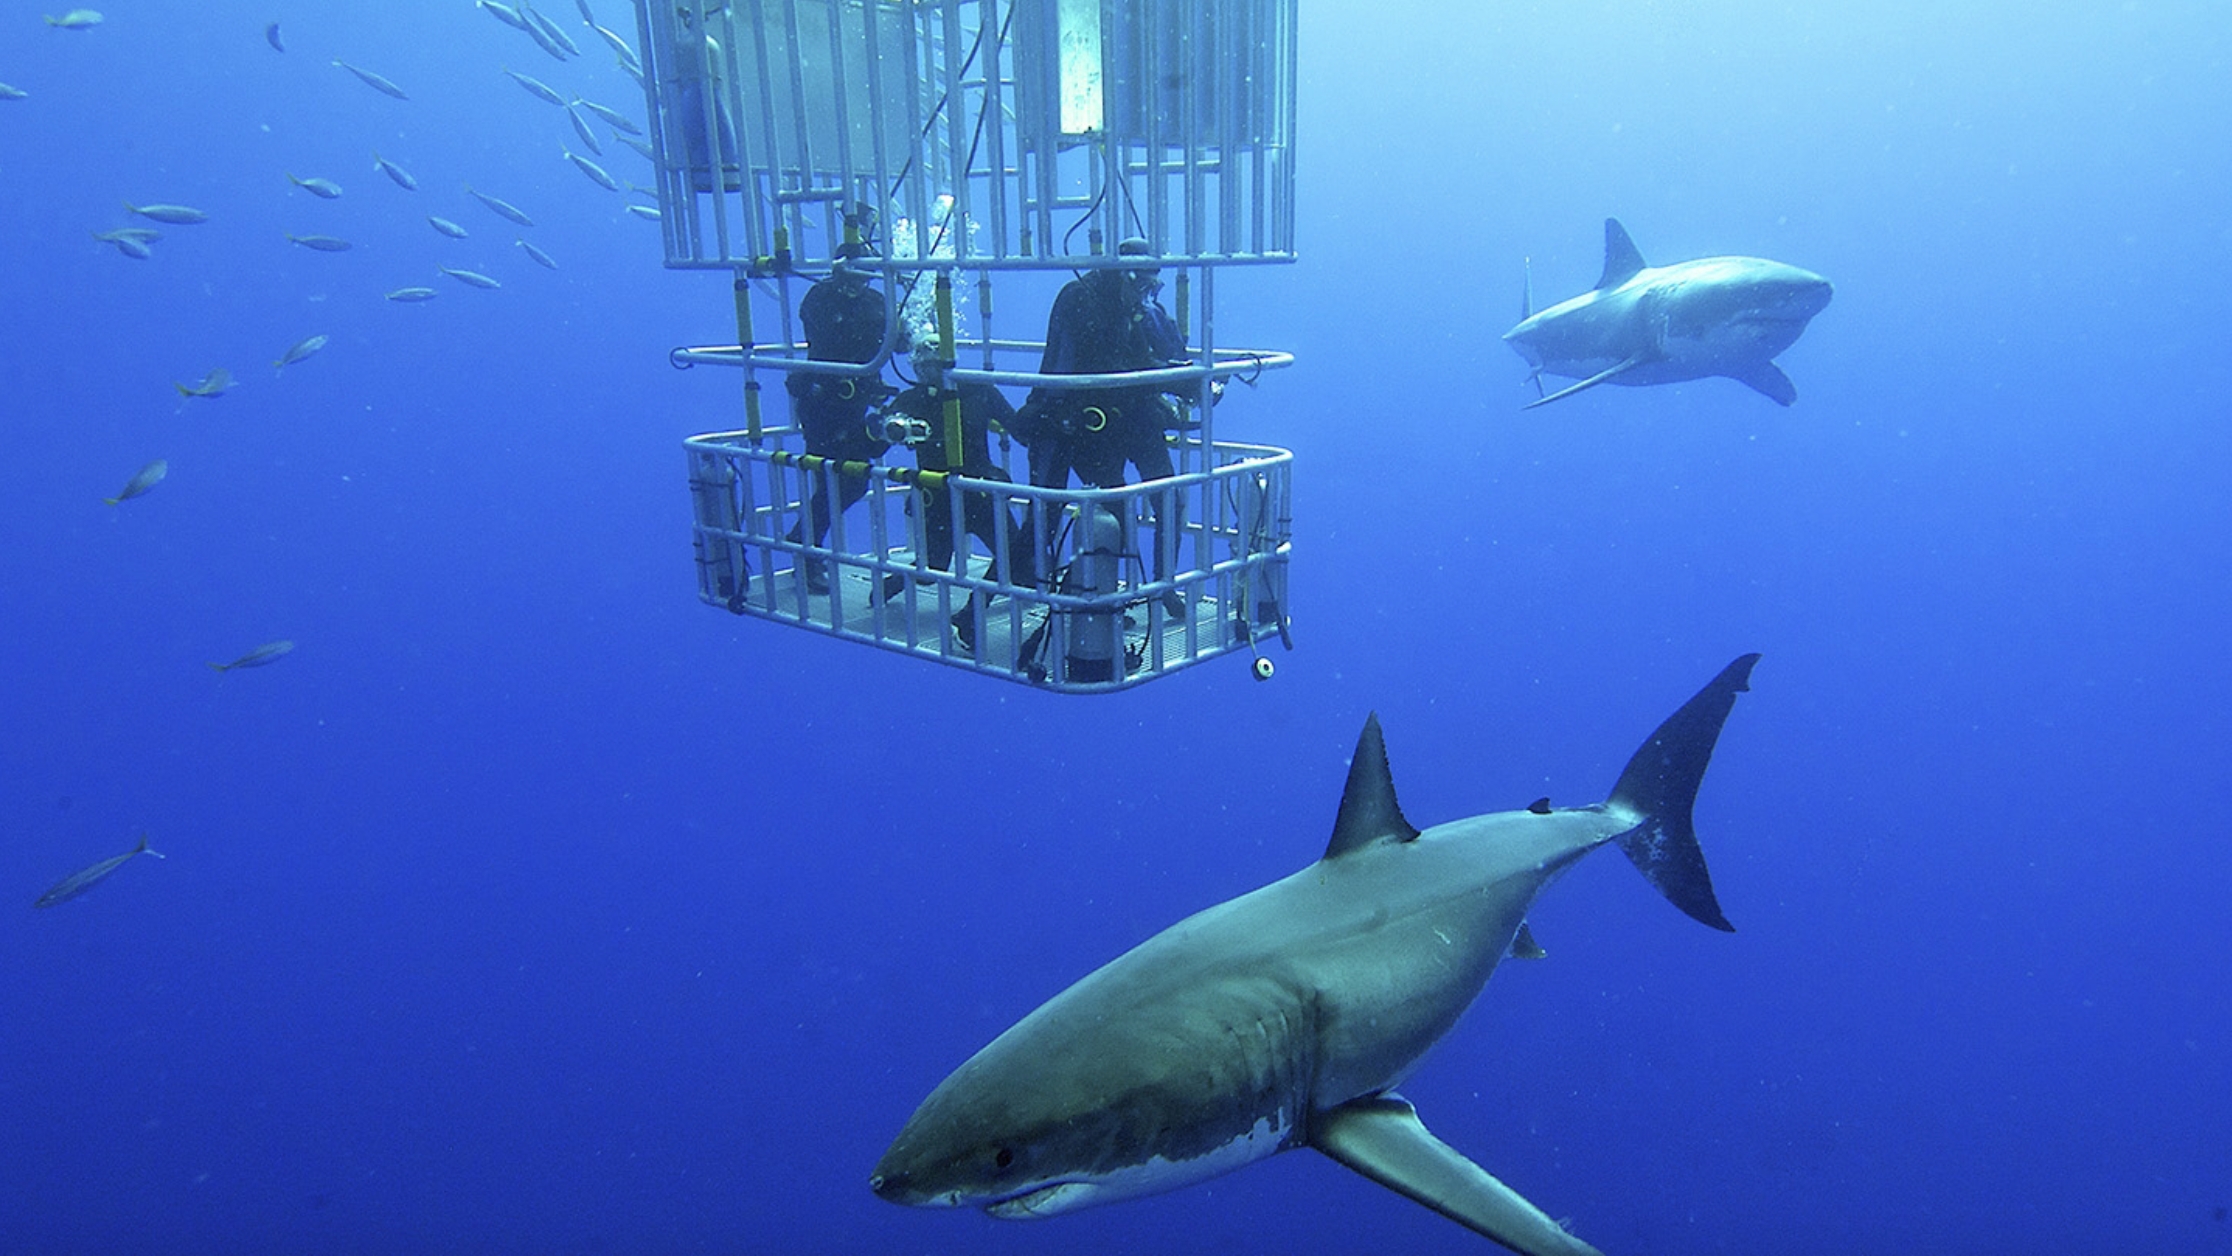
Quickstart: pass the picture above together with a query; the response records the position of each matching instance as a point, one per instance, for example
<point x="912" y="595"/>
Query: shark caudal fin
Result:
<point x="1659" y="788"/>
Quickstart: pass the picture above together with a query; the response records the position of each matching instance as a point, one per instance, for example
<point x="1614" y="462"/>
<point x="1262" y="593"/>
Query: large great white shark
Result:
<point x="1663" y="324"/>
<point x="1286" y="1017"/>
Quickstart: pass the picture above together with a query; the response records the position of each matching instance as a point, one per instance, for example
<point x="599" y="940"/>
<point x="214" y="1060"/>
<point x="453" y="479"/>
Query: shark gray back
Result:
<point x="1286" y="1017"/>
<point x="1646" y="324"/>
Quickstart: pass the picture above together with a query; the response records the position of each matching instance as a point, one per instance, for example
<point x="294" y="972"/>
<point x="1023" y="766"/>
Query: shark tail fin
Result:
<point x="1659" y="789"/>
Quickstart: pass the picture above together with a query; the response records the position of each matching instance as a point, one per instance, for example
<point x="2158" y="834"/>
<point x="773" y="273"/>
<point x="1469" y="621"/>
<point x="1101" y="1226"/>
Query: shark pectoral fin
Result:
<point x="1768" y="379"/>
<point x="1381" y="1138"/>
<point x="1591" y="382"/>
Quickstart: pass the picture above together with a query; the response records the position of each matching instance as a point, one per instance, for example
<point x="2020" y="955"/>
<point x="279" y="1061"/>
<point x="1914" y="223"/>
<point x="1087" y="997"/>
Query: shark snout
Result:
<point x="1809" y="295"/>
<point x="1787" y="292"/>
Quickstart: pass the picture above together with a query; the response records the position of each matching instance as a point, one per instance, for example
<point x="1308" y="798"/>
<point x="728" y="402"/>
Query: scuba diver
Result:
<point x="843" y="317"/>
<point x="918" y="416"/>
<point x="1105" y="321"/>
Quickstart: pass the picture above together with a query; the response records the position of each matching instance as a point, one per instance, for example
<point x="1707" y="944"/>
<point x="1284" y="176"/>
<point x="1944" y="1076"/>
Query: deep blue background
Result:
<point x="532" y="907"/>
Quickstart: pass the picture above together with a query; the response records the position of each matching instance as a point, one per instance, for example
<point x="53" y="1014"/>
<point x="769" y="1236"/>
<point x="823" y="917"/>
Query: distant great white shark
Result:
<point x="1663" y="324"/>
<point x="1286" y="1017"/>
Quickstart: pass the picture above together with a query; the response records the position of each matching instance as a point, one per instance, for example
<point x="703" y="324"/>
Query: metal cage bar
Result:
<point x="1106" y="614"/>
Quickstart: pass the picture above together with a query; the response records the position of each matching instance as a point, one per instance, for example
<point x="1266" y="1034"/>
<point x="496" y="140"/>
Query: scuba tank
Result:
<point x="1093" y="640"/>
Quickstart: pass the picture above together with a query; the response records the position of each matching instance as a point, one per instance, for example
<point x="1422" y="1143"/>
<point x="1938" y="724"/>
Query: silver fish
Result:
<point x="271" y="36"/>
<point x="129" y="245"/>
<point x="541" y="258"/>
<point x="550" y="28"/>
<point x="535" y="87"/>
<point x="268" y="652"/>
<point x="472" y="278"/>
<point x="504" y="13"/>
<point x="617" y="120"/>
<point x="213" y="384"/>
<point x="324" y="189"/>
<point x="581" y="128"/>
<point x="542" y="38"/>
<point x="620" y="49"/>
<point x="13" y="93"/>
<point x="79" y="882"/>
<point x="587" y="17"/>
<point x="176" y="215"/>
<point x="323" y="243"/>
<point x="299" y="350"/>
<point x="374" y="81"/>
<point x="645" y="211"/>
<point x="412" y="294"/>
<point x="142" y="480"/>
<point x="639" y="146"/>
<point x="595" y="172"/>
<point x="446" y="227"/>
<point x="401" y="176"/>
<point x="502" y="209"/>
<point x="76" y="20"/>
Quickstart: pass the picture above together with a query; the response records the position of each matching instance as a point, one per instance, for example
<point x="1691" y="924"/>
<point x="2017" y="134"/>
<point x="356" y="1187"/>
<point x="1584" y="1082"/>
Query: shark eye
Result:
<point x="1003" y="1158"/>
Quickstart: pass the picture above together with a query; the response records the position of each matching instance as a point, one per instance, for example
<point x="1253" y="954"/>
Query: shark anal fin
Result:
<point x="1768" y="380"/>
<point x="1524" y="946"/>
<point x="1628" y="364"/>
<point x="1381" y="1138"/>
<point x="1368" y="809"/>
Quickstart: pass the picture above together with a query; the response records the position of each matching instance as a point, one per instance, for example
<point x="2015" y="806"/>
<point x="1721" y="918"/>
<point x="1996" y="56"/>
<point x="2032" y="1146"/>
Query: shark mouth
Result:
<point x="1039" y="1201"/>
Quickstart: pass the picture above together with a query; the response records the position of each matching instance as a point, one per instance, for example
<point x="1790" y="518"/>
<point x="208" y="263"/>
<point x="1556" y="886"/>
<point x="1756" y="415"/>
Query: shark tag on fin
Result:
<point x="1368" y="812"/>
<point x="1622" y="260"/>
<point x="1607" y="373"/>
<point x="1768" y="380"/>
<point x="1381" y="1137"/>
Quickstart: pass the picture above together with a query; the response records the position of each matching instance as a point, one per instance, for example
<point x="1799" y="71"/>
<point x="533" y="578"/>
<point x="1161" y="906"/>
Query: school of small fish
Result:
<point x="138" y="243"/>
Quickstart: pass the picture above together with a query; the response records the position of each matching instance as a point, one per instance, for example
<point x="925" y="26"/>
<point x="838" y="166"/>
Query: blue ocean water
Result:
<point x="531" y="907"/>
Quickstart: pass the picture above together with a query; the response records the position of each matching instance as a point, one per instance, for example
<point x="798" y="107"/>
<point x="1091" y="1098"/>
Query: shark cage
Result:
<point x="946" y="148"/>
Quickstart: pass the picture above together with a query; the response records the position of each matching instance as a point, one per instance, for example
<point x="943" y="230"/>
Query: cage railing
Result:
<point x="1114" y="587"/>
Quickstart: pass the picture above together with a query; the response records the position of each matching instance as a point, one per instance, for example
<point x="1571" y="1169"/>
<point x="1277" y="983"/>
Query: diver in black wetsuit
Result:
<point x="843" y="317"/>
<point x="1106" y="321"/>
<point x="982" y="406"/>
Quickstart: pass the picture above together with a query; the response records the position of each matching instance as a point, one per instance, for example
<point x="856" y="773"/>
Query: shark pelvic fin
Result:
<point x="1622" y="261"/>
<point x="1659" y="789"/>
<point x="1380" y="1137"/>
<point x="1628" y="364"/>
<point x="1768" y="379"/>
<point x="1369" y="813"/>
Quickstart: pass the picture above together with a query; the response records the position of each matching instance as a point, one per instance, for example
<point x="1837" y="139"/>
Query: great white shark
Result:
<point x="1663" y="324"/>
<point x="1286" y="1017"/>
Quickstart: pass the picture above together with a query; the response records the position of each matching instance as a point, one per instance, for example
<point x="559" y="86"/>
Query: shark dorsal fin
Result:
<point x="1369" y="812"/>
<point x="1621" y="260"/>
